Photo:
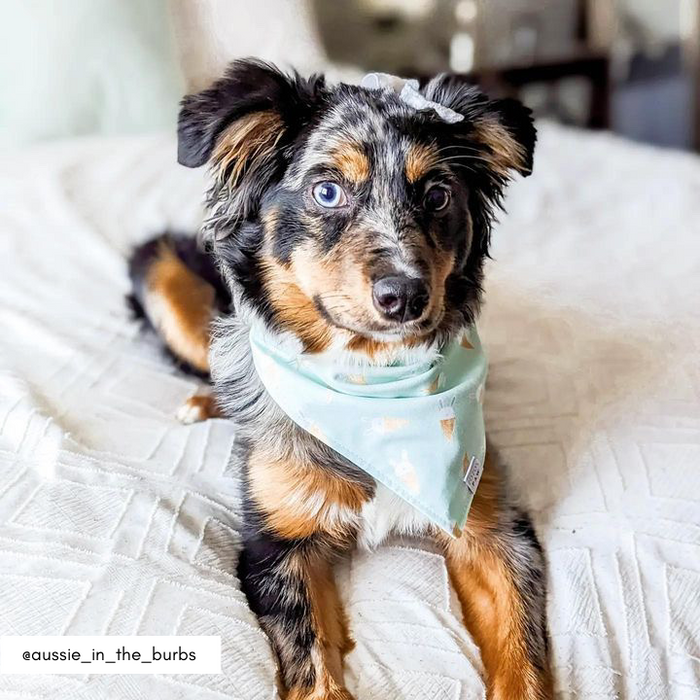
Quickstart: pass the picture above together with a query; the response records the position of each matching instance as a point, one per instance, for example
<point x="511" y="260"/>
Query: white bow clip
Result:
<point x="408" y="92"/>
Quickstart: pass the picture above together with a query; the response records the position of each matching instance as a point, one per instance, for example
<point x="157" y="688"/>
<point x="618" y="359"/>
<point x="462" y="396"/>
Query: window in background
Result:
<point x="86" y="67"/>
<point x="629" y="65"/>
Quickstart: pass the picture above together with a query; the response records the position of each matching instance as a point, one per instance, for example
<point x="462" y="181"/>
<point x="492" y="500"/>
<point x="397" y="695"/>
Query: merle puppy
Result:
<point x="358" y="226"/>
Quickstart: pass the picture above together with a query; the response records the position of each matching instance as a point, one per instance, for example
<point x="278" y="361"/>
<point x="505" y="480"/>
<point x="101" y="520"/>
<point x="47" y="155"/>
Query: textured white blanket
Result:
<point x="115" y="519"/>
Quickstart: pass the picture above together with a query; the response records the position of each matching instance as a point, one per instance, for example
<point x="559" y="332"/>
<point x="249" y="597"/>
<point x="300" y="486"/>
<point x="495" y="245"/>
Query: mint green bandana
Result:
<point x="418" y="429"/>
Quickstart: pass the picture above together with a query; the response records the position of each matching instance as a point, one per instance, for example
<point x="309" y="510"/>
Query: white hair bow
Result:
<point x="408" y="92"/>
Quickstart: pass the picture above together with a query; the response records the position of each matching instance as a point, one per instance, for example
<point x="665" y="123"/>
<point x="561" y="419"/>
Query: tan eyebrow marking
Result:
<point x="352" y="162"/>
<point x="420" y="158"/>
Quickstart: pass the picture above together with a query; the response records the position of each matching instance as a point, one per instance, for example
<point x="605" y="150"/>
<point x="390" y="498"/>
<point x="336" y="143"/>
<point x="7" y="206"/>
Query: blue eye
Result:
<point x="329" y="195"/>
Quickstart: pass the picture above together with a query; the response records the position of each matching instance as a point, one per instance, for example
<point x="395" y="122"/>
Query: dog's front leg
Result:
<point x="290" y="586"/>
<point x="300" y="517"/>
<point x="497" y="569"/>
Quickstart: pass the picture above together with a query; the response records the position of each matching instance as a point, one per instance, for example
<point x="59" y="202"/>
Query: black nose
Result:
<point x="400" y="298"/>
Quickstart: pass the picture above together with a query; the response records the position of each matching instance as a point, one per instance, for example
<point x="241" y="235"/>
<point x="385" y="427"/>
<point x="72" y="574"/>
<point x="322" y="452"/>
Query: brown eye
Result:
<point x="437" y="198"/>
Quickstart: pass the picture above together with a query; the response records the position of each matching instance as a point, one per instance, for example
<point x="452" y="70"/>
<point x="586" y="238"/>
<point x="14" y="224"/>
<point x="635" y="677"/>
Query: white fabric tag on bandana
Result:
<point x="410" y="94"/>
<point x="473" y="475"/>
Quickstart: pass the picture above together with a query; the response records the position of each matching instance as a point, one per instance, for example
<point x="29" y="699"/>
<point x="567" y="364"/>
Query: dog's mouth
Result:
<point x="366" y="325"/>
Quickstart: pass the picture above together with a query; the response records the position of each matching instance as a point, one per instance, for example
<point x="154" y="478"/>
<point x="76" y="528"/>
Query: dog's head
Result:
<point x="340" y="211"/>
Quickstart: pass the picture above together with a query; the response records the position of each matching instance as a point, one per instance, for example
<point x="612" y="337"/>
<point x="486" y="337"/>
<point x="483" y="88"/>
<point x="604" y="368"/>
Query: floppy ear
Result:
<point x="503" y="127"/>
<point x="244" y="115"/>
<point x="241" y="126"/>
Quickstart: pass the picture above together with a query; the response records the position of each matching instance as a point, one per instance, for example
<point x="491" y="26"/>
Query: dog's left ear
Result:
<point x="244" y="115"/>
<point x="243" y="126"/>
<point x="503" y="127"/>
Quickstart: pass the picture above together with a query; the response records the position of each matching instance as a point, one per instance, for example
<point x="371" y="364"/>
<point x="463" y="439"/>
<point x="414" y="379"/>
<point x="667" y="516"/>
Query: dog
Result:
<point x="355" y="226"/>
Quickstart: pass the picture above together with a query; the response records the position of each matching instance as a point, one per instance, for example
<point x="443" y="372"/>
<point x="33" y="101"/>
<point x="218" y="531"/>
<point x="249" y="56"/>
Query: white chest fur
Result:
<point x="388" y="514"/>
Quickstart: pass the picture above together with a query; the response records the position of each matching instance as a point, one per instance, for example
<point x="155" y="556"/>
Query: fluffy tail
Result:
<point x="177" y="290"/>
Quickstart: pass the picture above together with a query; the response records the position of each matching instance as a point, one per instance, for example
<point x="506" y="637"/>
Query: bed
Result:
<point x="115" y="519"/>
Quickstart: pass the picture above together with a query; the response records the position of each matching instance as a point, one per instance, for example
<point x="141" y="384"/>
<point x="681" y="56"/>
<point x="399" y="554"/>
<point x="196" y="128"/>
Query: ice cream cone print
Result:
<point x="465" y="343"/>
<point x="269" y="370"/>
<point x="315" y="430"/>
<point x="434" y="386"/>
<point x="390" y="425"/>
<point x="466" y="460"/>
<point x="406" y="472"/>
<point x="448" y="427"/>
<point x="385" y="425"/>
<point x="358" y="379"/>
<point x="446" y="414"/>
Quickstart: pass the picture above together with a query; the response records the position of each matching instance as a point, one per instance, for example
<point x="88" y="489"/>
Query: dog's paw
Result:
<point x="335" y="692"/>
<point x="198" y="408"/>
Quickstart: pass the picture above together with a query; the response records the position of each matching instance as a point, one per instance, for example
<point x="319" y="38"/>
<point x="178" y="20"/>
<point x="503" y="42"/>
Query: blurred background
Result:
<point x="120" y="66"/>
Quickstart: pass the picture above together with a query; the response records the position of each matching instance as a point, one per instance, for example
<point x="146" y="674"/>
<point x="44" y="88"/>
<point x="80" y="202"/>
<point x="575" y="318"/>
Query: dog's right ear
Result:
<point x="241" y="119"/>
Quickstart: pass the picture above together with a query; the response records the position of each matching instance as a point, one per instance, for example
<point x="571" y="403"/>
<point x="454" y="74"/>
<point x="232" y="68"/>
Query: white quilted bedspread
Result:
<point x="115" y="519"/>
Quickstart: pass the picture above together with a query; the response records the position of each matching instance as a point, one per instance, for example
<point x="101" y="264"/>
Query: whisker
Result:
<point x="474" y="156"/>
<point x="460" y="147"/>
<point x="455" y="161"/>
<point x="464" y="156"/>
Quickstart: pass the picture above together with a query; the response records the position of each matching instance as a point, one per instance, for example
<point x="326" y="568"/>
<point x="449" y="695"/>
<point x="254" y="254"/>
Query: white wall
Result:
<point x="661" y="18"/>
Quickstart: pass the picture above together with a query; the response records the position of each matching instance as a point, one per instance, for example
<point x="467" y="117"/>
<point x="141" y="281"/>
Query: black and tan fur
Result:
<point x="308" y="273"/>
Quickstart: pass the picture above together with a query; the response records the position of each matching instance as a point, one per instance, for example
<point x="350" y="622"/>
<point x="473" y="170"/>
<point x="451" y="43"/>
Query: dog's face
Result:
<point x="344" y="211"/>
